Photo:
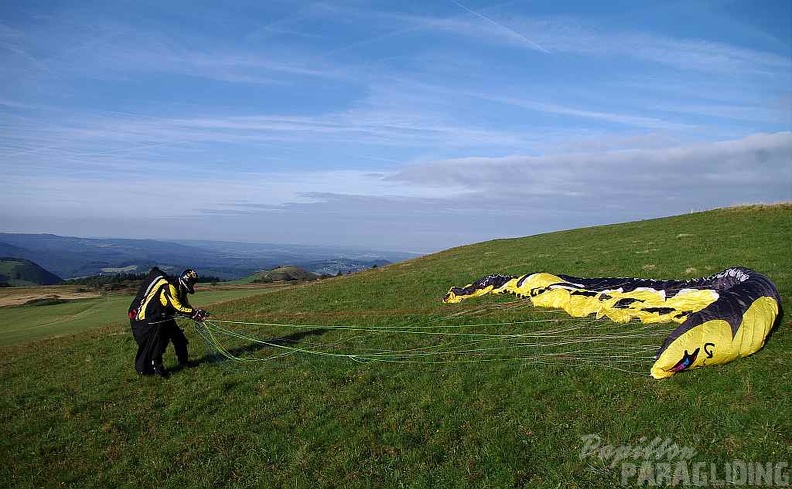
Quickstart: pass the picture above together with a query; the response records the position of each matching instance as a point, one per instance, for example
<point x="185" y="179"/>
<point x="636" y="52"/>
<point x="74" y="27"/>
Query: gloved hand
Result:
<point x="199" y="315"/>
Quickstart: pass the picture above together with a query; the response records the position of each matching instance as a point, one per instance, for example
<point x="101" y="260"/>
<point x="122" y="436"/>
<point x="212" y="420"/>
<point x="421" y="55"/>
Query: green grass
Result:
<point x="74" y="413"/>
<point x="24" y="323"/>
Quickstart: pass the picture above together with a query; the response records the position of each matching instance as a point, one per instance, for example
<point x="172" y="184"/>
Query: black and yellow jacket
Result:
<point x="161" y="300"/>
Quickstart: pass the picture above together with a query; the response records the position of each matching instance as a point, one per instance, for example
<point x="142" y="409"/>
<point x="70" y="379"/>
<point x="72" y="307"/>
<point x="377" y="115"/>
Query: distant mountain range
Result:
<point x="70" y="257"/>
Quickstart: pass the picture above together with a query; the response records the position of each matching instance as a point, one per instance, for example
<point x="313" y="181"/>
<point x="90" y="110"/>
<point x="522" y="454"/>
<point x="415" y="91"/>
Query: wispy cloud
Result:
<point x="567" y="35"/>
<point x="573" y="36"/>
<point x="111" y="133"/>
<point x="98" y="48"/>
<point x="550" y="108"/>
<point x="499" y="25"/>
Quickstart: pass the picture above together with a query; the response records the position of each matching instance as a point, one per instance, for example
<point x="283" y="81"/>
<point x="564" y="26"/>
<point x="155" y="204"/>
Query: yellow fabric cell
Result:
<point x="692" y="300"/>
<point x="756" y="325"/>
<point x="581" y="306"/>
<point x="535" y="281"/>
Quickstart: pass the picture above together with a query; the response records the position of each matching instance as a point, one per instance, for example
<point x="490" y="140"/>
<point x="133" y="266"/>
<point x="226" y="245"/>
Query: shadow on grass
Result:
<point x="287" y="340"/>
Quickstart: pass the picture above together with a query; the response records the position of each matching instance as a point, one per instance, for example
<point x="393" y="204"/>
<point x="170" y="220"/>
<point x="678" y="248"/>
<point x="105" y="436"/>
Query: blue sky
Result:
<point x="410" y="125"/>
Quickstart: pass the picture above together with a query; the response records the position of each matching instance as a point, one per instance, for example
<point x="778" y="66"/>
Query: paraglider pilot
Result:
<point x="152" y="316"/>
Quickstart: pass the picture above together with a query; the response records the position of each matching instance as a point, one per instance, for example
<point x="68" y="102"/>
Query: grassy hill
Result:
<point x="21" y="272"/>
<point x="280" y="274"/>
<point x="74" y="413"/>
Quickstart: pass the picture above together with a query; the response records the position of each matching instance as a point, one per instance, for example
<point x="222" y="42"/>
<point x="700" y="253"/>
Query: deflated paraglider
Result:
<point x="723" y="317"/>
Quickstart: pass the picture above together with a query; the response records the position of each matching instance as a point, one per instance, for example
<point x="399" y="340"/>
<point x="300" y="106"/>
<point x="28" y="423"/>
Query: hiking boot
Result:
<point x="187" y="364"/>
<point x="160" y="371"/>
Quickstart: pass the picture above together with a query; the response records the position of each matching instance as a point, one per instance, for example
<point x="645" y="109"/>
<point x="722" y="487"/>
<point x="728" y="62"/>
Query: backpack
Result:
<point x="152" y="278"/>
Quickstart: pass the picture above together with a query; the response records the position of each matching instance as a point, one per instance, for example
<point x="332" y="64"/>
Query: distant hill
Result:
<point x="282" y="274"/>
<point x="343" y="265"/>
<point x="21" y="272"/>
<point x="72" y="257"/>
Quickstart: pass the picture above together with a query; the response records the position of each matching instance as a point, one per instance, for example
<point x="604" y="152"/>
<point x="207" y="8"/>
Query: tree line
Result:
<point x="120" y="281"/>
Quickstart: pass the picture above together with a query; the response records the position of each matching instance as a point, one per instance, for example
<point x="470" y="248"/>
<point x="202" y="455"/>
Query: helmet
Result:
<point x="187" y="280"/>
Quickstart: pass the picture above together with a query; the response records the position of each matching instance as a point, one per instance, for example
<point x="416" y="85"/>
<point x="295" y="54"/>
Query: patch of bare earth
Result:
<point x="16" y="296"/>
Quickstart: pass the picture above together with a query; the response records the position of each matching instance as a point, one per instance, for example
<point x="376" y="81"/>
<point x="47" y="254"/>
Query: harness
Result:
<point x="137" y="310"/>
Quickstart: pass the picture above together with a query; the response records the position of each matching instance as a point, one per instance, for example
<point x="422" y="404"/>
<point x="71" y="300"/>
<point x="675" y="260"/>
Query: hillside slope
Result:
<point x="77" y="414"/>
<point x="19" y="272"/>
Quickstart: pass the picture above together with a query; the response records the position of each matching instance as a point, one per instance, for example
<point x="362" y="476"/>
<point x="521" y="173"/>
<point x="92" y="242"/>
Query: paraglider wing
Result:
<point x="724" y="316"/>
<point x="734" y="326"/>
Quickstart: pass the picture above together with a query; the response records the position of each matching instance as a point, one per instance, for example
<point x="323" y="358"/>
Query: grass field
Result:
<point x="75" y="414"/>
<point x="18" y="324"/>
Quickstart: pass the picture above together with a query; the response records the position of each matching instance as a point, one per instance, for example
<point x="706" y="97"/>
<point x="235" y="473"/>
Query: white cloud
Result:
<point x="760" y="160"/>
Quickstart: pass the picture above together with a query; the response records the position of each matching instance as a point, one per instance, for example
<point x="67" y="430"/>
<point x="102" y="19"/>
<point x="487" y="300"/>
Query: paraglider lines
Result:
<point x="573" y="342"/>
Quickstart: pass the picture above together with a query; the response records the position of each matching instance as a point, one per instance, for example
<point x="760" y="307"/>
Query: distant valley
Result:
<point x="71" y="257"/>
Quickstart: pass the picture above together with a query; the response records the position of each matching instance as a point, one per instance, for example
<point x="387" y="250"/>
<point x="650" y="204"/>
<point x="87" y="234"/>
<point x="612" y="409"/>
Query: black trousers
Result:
<point x="152" y="340"/>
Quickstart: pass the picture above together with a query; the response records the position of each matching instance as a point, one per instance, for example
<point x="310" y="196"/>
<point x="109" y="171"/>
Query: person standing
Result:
<point x="152" y="317"/>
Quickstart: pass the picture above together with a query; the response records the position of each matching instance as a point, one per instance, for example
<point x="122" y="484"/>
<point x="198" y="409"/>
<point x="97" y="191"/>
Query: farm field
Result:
<point x="300" y="411"/>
